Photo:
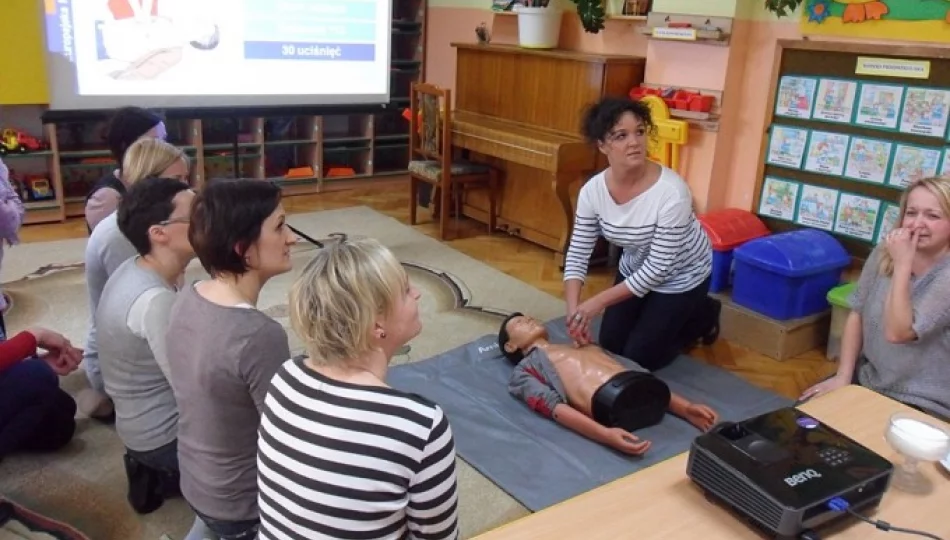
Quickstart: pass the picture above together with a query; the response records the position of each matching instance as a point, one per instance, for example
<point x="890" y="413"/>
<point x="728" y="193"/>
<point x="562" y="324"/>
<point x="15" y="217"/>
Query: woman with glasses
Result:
<point x="108" y="248"/>
<point x="658" y="306"/>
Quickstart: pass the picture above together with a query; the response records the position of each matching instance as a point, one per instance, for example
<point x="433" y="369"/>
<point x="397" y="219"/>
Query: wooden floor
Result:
<point x="529" y="263"/>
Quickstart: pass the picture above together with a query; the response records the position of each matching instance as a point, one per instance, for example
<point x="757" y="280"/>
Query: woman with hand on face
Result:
<point x="658" y="306"/>
<point x="896" y="339"/>
<point x="342" y="454"/>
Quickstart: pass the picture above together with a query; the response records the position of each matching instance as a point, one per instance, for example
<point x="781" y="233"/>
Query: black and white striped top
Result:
<point x="338" y="460"/>
<point x="665" y="248"/>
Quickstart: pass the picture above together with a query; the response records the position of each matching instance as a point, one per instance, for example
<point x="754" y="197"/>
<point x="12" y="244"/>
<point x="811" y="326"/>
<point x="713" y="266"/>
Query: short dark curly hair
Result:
<point x="601" y="117"/>
<point x="515" y="356"/>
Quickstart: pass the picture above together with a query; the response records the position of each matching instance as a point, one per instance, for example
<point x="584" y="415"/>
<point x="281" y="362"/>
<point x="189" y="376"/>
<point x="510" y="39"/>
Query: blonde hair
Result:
<point x="149" y="156"/>
<point x="335" y="301"/>
<point x="939" y="186"/>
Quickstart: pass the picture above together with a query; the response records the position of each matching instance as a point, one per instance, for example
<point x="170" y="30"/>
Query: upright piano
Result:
<point x="521" y="110"/>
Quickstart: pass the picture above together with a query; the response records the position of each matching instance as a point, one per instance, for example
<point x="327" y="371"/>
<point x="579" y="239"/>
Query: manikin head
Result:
<point x="925" y="209"/>
<point x="620" y="128"/>
<point x="518" y="335"/>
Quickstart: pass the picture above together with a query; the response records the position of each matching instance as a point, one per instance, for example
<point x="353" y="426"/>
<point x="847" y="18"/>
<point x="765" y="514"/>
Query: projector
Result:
<point x="780" y="470"/>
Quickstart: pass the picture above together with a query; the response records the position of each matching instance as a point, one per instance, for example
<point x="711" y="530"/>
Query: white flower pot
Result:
<point x="538" y="27"/>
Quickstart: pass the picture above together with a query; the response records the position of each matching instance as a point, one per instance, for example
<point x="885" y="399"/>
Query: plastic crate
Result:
<point x="728" y="229"/>
<point x="840" y="300"/>
<point x="788" y="275"/>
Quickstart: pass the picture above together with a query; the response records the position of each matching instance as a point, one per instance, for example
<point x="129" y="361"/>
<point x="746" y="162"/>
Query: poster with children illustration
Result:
<point x="868" y="160"/>
<point x="879" y="105"/>
<point x="945" y="167"/>
<point x="787" y="146"/>
<point x="857" y="216"/>
<point x="835" y="100"/>
<point x="889" y="217"/>
<point x="925" y="112"/>
<point x="795" y="97"/>
<point x="826" y="153"/>
<point x="816" y="207"/>
<point x="911" y="163"/>
<point x="778" y="198"/>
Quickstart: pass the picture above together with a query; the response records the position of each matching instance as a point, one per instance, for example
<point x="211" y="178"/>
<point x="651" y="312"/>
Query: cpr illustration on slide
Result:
<point x="148" y="36"/>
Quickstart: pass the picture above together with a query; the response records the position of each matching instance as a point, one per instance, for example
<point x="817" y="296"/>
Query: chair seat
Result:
<point x="432" y="170"/>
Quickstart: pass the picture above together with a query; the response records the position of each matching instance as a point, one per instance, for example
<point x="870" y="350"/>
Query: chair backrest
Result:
<point x="429" y="123"/>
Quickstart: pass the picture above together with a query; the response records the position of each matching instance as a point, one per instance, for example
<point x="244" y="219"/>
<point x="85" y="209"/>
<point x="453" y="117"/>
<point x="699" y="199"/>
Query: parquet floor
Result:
<point x="524" y="261"/>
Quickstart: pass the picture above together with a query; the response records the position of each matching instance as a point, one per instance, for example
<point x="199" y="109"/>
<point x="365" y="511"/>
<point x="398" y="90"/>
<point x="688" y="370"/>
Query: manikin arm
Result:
<point x="701" y="416"/>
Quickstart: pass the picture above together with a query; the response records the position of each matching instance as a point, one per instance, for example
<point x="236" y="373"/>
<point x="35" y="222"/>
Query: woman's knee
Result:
<point x="35" y="374"/>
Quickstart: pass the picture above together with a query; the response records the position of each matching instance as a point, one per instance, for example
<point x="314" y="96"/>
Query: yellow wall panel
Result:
<point x="23" y="79"/>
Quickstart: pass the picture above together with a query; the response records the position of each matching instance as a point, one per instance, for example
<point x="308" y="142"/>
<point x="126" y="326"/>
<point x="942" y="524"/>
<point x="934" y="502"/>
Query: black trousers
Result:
<point x="653" y="330"/>
<point x="36" y="415"/>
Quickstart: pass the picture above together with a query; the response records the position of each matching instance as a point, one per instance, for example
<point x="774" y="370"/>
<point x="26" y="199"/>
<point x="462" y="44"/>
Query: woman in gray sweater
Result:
<point x="223" y="352"/>
<point x="896" y="339"/>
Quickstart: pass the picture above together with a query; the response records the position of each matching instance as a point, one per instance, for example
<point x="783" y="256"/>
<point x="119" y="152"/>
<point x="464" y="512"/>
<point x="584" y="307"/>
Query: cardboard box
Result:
<point x="780" y="340"/>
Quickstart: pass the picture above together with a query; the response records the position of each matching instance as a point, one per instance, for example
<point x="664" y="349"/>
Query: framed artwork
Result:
<point x="779" y="198"/>
<point x="816" y="207"/>
<point x="925" y="112"/>
<point x="827" y="153"/>
<point x="879" y="105"/>
<point x="889" y="217"/>
<point x="945" y="165"/>
<point x="868" y="160"/>
<point x="787" y="146"/>
<point x="795" y="98"/>
<point x="911" y="163"/>
<point x="835" y="100"/>
<point x="857" y="216"/>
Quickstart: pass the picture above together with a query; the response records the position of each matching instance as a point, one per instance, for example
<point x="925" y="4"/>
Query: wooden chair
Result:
<point x="431" y="160"/>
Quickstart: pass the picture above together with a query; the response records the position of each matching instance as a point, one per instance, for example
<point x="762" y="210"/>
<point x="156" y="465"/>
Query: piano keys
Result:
<point x="521" y="109"/>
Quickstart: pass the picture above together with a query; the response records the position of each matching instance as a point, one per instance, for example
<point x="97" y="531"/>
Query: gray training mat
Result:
<point x="534" y="459"/>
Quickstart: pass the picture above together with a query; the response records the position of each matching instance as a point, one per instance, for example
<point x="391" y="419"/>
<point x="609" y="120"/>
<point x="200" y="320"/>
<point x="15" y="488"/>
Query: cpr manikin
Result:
<point x="587" y="390"/>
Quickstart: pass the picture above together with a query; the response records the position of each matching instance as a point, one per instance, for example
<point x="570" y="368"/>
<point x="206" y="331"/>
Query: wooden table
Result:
<point x="661" y="502"/>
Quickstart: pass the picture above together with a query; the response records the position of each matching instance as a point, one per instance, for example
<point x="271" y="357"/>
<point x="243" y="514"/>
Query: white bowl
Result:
<point x="918" y="438"/>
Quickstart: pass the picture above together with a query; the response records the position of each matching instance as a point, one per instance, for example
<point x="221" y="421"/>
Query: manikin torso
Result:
<point x="582" y="370"/>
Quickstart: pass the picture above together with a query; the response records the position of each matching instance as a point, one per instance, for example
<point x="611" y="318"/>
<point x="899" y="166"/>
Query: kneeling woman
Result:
<point x="896" y="340"/>
<point x="658" y="305"/>
<point x="341" y="454"/>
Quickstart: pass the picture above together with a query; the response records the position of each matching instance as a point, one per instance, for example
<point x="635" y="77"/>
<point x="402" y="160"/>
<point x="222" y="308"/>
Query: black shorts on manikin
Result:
<point x="631" y="400"/>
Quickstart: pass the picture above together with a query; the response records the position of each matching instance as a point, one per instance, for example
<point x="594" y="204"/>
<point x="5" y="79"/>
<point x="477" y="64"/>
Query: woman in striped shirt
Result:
<point x="341" y="454"/>
<point x="659" y="305"/>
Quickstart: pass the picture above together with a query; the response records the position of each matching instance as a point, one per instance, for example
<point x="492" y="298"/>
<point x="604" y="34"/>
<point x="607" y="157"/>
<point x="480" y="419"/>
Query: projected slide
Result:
<point x="332" y="51"/>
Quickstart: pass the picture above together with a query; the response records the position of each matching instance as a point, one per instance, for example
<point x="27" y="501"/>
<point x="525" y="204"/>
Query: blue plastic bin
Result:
<point x="788" y="275"/>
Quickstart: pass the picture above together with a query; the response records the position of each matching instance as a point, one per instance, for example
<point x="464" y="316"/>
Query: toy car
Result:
<point x="14" y="140"/>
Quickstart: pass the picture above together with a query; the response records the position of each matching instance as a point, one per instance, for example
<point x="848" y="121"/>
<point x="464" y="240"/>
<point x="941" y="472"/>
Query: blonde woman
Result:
<point x="341" y="454"/>
<point x="895" y="339"/>
<point x="108" y="248"/>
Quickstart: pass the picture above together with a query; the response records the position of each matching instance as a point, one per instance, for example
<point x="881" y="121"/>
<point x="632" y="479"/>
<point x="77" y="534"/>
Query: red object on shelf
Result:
<point x="701" y="103"/>
<point x="731" y="227"/>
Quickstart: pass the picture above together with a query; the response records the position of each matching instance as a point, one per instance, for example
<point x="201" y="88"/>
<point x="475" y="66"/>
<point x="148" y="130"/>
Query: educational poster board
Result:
<point x="848" y="127"/>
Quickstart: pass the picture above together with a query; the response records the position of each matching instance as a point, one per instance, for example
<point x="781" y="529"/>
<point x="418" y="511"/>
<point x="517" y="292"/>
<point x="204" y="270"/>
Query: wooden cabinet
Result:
<point x="521" y="110"/>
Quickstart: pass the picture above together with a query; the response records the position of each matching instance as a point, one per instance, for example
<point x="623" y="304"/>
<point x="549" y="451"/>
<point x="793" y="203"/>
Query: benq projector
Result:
<point x="780" y="470"/>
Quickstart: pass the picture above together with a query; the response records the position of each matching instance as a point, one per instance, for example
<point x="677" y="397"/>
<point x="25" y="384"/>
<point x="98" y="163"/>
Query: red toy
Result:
<point x="14" y="140"/>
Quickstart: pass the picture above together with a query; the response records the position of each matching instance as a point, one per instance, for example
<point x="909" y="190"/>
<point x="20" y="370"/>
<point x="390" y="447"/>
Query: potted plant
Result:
<point x="539" y="24"/>
<point x="782" y="8"/>
<point x="592" y="14"/>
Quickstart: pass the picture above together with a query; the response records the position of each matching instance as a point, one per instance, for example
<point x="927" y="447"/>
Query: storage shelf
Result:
<point x="267" y="148"/>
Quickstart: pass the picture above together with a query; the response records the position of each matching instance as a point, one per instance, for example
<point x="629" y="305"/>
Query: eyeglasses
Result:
<point x="174" y="220"/>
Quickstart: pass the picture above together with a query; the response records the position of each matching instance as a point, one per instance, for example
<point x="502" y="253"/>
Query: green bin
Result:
<point x="839" y="298"/>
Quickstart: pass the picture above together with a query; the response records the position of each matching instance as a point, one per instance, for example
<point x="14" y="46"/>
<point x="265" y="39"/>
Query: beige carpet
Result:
<point x="84" y="485"/>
